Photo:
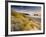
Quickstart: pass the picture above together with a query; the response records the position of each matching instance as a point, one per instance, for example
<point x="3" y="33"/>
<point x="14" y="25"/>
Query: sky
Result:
<point x="27" y="9"/>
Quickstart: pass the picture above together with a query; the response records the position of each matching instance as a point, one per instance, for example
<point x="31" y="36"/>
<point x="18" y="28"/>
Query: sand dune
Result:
<point x="22" y="22"/>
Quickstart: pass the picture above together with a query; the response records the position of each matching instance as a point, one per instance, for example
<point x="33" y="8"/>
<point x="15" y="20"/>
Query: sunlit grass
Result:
<point x="21" y="22"/>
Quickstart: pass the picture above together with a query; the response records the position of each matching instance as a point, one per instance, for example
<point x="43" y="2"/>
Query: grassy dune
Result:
<point x="22" y="22"/>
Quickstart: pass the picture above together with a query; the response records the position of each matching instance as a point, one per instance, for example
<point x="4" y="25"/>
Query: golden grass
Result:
<point x="23" y="21"/>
